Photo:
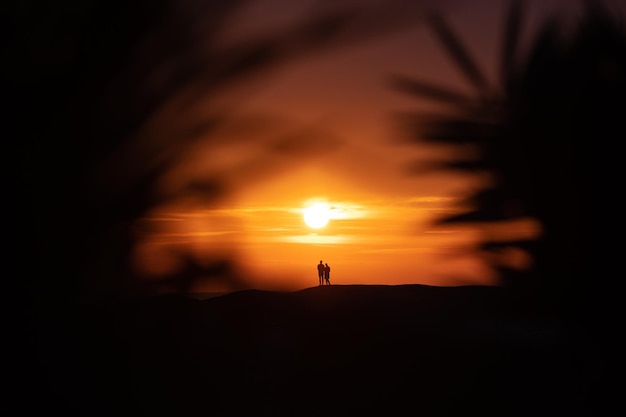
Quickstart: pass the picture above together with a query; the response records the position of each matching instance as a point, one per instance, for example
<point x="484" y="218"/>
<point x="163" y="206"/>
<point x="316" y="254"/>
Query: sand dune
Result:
<point x="324" y="351"/>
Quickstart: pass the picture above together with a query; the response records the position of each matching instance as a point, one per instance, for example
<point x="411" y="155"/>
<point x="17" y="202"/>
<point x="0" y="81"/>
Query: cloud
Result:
<point x="431" y="199"/>
<point x="315" y="239"/>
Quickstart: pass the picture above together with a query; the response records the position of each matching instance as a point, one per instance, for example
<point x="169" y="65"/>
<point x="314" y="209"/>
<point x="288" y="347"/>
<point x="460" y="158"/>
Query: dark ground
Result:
<point x="323" y="351"/>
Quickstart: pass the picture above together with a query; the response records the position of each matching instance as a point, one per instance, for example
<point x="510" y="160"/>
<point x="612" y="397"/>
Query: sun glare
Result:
<point x="316" y="215"/>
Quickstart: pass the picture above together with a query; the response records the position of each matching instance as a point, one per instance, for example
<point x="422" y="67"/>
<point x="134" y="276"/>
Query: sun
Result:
<point x="316" y="215"/>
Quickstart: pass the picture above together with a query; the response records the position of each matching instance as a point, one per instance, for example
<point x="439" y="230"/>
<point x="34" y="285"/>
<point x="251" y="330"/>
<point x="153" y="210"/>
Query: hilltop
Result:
<point x="334" y="351"/>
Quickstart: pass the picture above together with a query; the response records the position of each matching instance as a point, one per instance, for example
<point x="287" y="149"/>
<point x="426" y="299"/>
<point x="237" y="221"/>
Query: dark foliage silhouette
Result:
<point x="547" y="133"/>
<point x="102" y="99"/>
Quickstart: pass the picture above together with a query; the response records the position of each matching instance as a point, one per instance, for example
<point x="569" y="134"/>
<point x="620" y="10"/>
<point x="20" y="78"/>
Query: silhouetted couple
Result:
<point x="323" y="272"/>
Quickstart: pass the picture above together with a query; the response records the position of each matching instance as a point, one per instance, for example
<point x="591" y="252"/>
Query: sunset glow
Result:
<point x="367" y="240"/>
<point x="340" y="191"/>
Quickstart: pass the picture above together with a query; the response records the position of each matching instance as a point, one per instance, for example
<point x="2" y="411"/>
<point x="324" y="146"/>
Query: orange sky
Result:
<point x="339" y="100"/>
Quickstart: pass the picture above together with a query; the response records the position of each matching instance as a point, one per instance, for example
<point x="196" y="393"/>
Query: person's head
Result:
<point x="320" y="261"/>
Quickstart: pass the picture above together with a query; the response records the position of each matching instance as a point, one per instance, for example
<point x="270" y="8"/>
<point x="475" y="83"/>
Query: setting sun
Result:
<point x="316" y="215"/>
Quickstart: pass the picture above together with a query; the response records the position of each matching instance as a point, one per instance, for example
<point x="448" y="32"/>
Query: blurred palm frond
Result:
<point x="105" y="98"/>
<point x="547" y="134"/>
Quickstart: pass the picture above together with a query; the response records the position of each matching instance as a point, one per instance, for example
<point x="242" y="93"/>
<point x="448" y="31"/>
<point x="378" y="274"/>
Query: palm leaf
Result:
<point x="508" y="54"/>
<point x="459" y="53"/>
<point x="425" y="89"/>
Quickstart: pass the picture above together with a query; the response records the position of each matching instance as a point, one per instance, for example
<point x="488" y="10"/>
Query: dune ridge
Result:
<point x="336" y="350"/>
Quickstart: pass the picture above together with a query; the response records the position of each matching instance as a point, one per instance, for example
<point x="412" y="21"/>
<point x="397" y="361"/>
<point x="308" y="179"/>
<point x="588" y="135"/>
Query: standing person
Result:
<point x="327" y="274"/>
<point x="320" y="272"/>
